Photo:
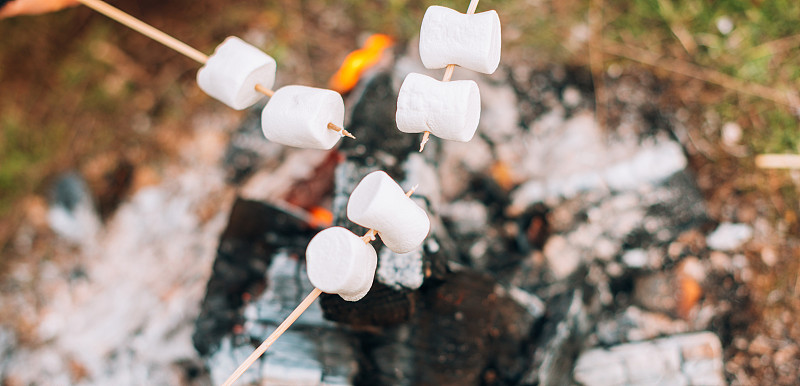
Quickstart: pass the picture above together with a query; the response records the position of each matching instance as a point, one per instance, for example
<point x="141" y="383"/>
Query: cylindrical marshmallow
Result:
<point x="232" y="72"/>
<point x="449" y="110"/>
<point x="379" y="203"/>
<point x="451" y="37"/>
<point x="339" y="262"/>
<point x="298" y="116"/>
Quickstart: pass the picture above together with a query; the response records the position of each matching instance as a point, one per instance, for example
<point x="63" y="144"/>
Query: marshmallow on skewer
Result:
<point x="339" y="262"/>
<point x="299" y="116"/>
<point x="379" y="203"/>
<point x="451" y="37"/>
<point x="232" y="72"/>
<point x="449" y="110"/>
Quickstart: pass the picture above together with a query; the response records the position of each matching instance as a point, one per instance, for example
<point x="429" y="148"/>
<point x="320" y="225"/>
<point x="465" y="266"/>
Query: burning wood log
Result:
<point x="256" y="232"/>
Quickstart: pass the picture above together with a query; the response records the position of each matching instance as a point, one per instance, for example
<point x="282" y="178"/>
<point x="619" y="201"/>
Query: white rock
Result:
<point x="558" y="159"/>
<point x="401" y="270"/>
<point x="500" y="112"/>
<point x="769" y="256"/>
<point x="731" y="134"/>
<point x="729" y="236"/>
<point x="339" y="262"/>
<point x="649" y="165"/>
<point x="232" y="72"/>
<point x="531" y="302"/>
<point x="635" y="258"/>
<point x="562" y="258"/>
<point x="379" y="203"/>
<point x="451" y="37"/>
<point x="467" y="216"/>
<point x="678" y="360"/>
<point x="449" y="110"/>
<point x="725" y="25"/>
<point x="72" y="214"/>
<point x="298" y="116"/>
<point x="571" y="96"/>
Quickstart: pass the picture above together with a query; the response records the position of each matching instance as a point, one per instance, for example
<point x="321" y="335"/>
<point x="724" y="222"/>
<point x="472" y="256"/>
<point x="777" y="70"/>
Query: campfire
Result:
<point x="536" y="260"/>
<point x="525" y="245"/>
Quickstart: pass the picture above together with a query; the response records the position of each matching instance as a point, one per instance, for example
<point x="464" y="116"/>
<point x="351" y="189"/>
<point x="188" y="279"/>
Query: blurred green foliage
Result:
<point x="754" y="41"/>
<point x="761" y="46"/>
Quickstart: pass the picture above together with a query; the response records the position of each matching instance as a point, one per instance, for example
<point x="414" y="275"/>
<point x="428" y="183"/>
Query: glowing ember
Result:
<point x="320" y="217"/>
<point x="358" y="61"/>
<point x="501" y="172"/>
<point x="690" y="292"/>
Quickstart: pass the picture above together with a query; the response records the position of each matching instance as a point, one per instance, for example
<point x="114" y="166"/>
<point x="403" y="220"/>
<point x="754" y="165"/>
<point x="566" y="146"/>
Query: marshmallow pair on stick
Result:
<point x="449" y="110"/>
<point x="340" y="262"/>
<point x="239" y="75"/>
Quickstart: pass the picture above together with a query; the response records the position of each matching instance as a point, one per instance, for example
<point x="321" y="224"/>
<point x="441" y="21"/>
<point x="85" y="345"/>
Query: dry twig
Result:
<point x="786" y="98"/>
<point x="778" y="161"/>
<point x="596" y="60"/>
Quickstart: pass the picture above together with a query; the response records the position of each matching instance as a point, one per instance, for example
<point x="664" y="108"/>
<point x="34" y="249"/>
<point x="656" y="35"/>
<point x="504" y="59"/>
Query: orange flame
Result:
<point x="356" y="62"/>
<point x="320" y="217"/>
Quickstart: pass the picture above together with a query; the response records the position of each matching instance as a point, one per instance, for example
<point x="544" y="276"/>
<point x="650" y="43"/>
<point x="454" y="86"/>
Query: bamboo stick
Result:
<point x="145" y="29"/>
<point x="302" y="307"/>
<point x="448" y="74"/>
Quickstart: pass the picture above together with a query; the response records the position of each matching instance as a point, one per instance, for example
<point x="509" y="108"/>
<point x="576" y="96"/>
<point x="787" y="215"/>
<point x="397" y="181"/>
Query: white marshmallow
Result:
<point x="449" y="110"/>
<point x="339" y="262"/>
<point x="451" y="37"/>
<point x="299" y="116"/>
<point x="232" y="72"/>
<point x="379" y="203"/>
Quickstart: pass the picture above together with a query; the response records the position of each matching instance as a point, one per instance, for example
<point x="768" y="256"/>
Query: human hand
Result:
<point x="33" y="7"/>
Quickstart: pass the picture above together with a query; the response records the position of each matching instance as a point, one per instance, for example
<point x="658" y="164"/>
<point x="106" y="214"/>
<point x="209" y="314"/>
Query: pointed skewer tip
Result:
<point x="369" y="236"/>
<point x="347" y="134"/>
<point x="425" y="137"/>
<point x="341" y="131"/>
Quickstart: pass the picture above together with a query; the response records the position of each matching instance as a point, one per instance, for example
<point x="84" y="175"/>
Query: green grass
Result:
<point x="756" y="50"/>
<point x="23" y="154"/>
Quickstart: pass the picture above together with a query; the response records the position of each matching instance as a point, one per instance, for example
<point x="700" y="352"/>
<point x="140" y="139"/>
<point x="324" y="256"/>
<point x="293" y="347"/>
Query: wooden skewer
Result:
<point x="302" y="307"/>
<point x="169" y="41"/>
<point x="778" y="161"/>
<point x="448" y="74"/>
<point x="412" y="190"/>
<point x="145" y="29"/>
<point x="265" y="90"/>
<point x="341" y="130"/>
<point x="369" y="236"/>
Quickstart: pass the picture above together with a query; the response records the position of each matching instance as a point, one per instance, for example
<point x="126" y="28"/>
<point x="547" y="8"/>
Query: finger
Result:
<point x="34" y="7"/>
